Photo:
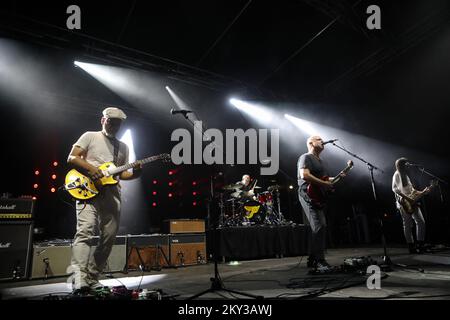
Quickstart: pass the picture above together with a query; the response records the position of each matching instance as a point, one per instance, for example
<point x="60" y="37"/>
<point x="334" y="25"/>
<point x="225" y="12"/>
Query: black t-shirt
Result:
<point x="315" y="167"/>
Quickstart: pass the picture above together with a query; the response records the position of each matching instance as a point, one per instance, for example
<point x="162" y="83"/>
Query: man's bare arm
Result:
<point x="76" y="158"/>
<point x="306" y="175"/>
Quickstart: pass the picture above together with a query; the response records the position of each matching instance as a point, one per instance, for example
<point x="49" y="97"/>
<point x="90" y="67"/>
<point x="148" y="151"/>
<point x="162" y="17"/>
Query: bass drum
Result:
<point x="254" y="212"/>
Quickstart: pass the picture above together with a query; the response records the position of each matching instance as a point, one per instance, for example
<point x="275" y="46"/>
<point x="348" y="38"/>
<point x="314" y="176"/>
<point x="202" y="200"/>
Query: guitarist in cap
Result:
<point x="101" y="213"/>
<point x="403" y="190"/>
<point x="309" y="170"/>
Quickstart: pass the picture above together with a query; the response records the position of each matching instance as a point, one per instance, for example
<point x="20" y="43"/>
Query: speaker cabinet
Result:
<point x="15" y="249"/>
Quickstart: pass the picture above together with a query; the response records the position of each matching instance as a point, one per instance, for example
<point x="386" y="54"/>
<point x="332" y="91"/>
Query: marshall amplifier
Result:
<point x="15" y="249"/>
<point x="16" y="209"/>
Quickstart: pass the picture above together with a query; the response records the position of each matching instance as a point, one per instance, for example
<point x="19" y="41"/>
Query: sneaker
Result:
<point x="81" y="292"/>
<point x="323" y="266"/>
<point x="95" y="285"/>
<point x="422" y="248"/>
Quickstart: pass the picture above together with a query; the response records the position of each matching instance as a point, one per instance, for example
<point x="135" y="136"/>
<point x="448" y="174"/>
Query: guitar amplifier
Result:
<point x="16" y="209"/>
<point x="148" y="252"/>
<point x="184" y="226"/>
<point x="187" y="249"/>
<point x="15" y="249"/>
<point x="51" y="258"/>
<point x="117" y="258"/>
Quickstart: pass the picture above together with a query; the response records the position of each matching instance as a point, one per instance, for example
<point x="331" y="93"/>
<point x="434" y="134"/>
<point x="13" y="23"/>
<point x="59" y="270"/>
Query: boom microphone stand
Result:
<point x="386" y="259"/>
<point x="216" y="282"/>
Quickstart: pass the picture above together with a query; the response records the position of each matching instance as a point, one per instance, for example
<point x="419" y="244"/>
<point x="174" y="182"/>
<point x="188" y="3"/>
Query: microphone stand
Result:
<point x="439" y="180"/>
<point x="216" y="282"/>
<point x="423" y="171"/>
<point x="386" y="259"/>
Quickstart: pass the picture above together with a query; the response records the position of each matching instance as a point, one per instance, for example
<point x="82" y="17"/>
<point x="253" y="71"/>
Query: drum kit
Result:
<point x="243" y="208"/>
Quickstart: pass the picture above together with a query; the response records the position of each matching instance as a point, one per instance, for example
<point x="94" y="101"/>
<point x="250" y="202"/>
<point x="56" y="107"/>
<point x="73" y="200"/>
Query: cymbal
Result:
<point x="231" y="187"/>
<point x="257" y="187"/>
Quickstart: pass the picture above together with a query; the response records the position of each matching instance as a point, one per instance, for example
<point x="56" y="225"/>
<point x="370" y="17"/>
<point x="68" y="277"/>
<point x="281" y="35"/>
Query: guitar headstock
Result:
<point x="433" y="183"/>
<point x="165" y="157"/>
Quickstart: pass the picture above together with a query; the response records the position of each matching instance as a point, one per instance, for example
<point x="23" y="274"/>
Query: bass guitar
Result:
<point x="319" y="194"/>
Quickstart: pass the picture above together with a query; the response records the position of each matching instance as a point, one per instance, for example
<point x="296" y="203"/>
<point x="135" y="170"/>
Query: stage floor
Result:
<point x="283" y="278"/>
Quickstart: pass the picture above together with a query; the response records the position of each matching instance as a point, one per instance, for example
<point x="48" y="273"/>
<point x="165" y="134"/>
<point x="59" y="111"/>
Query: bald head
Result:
<point x="246" y="179"/>
<point x="314" y="143"/>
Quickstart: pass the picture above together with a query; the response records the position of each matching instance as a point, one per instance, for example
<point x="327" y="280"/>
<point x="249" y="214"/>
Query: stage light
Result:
<point x="170" y="184"/>
<point x="291" y="187"/>
<point x="52" y="190"/>
<point x="34" y="198"/>
<point x="178" y="101"/>
<point x="35" y="186"/>
<point x="170" y="172"/>
<point x="154" y="204"/>
<point x="194" y="204"/>
<point x="37" y="172"/>
<point x="128" y="140"/>
<point x="304" y="125"/>
<point x="234" y="263"/>
<point x="170" y="195"/>
<point x="55" y="163"/>
<point x="54" y="176"/>
<point x="155" y="181"/>
<point x="154" y="193"/>
<point x="258" y="112"/>
<point x="194" y="183"/>
<point x="194" y="193"/>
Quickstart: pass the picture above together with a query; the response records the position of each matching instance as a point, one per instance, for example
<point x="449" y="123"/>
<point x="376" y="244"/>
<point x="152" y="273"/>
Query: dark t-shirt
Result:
<point x="315" y="167"/>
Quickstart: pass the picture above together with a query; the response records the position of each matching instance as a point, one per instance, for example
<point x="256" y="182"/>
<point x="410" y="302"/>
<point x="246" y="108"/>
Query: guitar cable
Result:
<point x="62" y="188"/>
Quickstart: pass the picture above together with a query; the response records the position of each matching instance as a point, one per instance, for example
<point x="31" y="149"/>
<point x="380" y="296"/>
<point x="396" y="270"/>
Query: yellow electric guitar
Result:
<point x="82" y="187"/>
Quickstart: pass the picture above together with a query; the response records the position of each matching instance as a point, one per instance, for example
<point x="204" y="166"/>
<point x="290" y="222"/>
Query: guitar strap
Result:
<point x="116" y="151"/>
<point x="115" y="144"/>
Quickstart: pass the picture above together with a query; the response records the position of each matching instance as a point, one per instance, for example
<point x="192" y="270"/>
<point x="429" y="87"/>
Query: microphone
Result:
<point x="410" y="164"/>
<point x="183" y="112"/>
<point x="329" y="141"/>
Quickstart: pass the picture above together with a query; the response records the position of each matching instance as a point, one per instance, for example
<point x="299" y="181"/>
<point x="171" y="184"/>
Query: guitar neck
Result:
<point x="125" y="167"/>
<point x="339" y="175"/>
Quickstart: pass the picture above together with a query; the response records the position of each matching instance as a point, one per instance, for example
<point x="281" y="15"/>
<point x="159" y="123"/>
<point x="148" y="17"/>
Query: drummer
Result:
<point x="246" y="187"/>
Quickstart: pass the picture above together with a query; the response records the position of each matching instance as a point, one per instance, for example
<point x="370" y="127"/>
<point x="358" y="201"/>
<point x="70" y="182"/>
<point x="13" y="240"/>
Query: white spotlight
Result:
<point x="128" y="140"/>
<point x="258" y="112"/>
<point x="306" y="126"/>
